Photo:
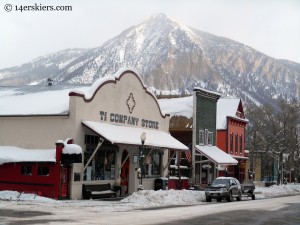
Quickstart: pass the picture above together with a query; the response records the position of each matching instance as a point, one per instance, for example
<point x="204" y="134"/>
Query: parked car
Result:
<point x="224" y="188"/>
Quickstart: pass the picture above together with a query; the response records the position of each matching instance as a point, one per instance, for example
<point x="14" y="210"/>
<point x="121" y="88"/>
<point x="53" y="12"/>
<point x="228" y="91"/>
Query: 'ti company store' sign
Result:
<point x="130" y="120"/>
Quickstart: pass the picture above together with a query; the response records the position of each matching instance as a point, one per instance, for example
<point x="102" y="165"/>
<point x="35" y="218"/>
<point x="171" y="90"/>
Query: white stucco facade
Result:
<point x="121" y="101"/>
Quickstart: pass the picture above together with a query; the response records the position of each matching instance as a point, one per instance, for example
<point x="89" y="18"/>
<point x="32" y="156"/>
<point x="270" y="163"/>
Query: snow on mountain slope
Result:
<point x="171" y="58"/>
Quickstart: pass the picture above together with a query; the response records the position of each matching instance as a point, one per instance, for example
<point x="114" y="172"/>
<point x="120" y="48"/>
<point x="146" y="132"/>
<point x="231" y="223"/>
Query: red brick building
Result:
<point x="231" y="123"/>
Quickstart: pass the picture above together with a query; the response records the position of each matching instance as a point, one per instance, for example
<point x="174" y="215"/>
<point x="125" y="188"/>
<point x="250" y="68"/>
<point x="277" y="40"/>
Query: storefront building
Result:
<point x="208" y="160"/>
<point x="231" y="124"/>
<point x="109" y="121"/>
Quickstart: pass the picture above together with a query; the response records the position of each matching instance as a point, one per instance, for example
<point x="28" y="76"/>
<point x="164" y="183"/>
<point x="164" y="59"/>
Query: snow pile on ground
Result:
<point x="151" y="198"/>
<point x="148" y="198"/>
<point x="17" y="196"/>
<point x="277" y="191"/>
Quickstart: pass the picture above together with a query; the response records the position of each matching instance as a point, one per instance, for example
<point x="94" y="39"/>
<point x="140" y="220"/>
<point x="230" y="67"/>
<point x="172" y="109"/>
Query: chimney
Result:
<point x="50" y="82"/>
<point x="59" y="147"/>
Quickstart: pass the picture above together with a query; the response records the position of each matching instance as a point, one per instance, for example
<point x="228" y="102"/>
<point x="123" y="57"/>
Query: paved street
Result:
<point x="284" y="210"/>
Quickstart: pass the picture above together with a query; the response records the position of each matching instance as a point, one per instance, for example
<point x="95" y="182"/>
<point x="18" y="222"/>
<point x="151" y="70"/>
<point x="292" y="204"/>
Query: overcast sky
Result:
<point x="270" y="26"/>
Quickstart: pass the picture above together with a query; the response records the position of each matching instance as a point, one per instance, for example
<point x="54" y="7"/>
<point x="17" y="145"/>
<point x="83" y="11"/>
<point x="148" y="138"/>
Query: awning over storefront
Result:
<point x="131" y="135"/>
<point x="216" y="155"/>
<point x="239" y="157"/>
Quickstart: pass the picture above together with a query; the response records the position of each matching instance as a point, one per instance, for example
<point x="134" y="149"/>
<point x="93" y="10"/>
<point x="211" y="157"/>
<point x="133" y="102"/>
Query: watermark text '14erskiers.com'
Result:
<point x="36" y="7"/>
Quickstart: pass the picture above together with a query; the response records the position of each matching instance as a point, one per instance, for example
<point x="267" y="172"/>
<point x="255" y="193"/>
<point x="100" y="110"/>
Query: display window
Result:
<point x="152" y="165"/>
<point x="102" y="164"/>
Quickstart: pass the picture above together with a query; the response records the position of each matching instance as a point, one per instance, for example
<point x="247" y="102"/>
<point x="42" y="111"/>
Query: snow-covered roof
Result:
<point x="88" y="93"/>
<point x="177" y="106"/>
<point x="9" y="154"/>
<point x="131" y="135"/>
<point x="69" y="148"/>
<point x="48" y="100"/>
<point x="43" y="100"/>
<point x="72" y="149"/>
<point x="216" y="155"/>
<point x="205" y="90"/>
<point x="227" y="107"/>
<point x="54" y="100"/>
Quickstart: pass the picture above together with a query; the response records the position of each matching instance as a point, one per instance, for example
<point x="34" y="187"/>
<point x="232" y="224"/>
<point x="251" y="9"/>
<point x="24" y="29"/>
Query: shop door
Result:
<point x="64" y="182"/>
<point x="125" y="170"/>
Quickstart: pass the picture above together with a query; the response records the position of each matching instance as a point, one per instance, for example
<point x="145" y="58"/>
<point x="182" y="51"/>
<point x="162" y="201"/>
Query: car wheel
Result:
<point x="239" y="198"/>
<point x="208" y="199"/>
<point x="229" y="197"/>
<point x="253" y="197"/>
<point x="219" y="199"/>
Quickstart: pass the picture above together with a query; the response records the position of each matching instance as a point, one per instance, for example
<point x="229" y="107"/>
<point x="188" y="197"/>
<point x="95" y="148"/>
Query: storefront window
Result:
<point x="152" y="164"/>
<point x="102" y="165"/>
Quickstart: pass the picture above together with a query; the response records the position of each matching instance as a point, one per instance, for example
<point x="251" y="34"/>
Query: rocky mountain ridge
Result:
<point x="171" y="58"/>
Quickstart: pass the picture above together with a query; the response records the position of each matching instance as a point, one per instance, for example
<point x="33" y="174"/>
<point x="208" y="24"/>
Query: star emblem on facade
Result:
<point x="130" y="102"/>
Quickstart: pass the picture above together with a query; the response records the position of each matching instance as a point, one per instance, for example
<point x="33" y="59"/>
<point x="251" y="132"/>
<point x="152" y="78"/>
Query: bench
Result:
<point x="97" y="191"/>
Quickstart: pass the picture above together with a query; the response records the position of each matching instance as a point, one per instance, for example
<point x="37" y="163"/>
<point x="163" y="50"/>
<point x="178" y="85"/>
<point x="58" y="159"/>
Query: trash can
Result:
<point x="161" y="184"/>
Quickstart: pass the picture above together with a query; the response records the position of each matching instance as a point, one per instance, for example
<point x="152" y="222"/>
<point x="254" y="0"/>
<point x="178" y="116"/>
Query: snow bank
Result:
<point x="20" y="196"/>
<point x="276" y="191"/>
<point x="148" y="198"/>
<point x="151" y="198"/>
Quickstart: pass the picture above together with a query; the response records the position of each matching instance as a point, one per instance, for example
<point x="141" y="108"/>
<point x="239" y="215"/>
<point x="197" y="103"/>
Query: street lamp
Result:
<point x="143" y="138"/>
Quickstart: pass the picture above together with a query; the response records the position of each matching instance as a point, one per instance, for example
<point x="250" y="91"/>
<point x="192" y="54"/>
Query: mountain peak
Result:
<point x="161" y="18"/>
<point x="170" y="57"/>
<point x="162" y="27"/>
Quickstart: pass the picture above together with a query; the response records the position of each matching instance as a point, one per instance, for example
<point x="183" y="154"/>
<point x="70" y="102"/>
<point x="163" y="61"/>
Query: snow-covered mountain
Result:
<point x="38" y="70"/>
<point x="170" y="57"/>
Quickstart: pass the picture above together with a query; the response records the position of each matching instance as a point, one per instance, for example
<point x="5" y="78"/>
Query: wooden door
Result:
<point x="64" y="182"/>
<point x="125" y="170"/>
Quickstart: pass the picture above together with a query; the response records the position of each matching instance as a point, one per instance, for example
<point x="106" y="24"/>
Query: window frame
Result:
<point x="231" y="143"/>
<point x="236" y="139"/>
<point x="241" y="144"/>
<point x="201" y="137"/>
<point x="153" y="165"/>
<point x="104" y="161"/>
<point x="40" y="168"/>
<point x="210" y="138"/>
<point x="26" y="170"/>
